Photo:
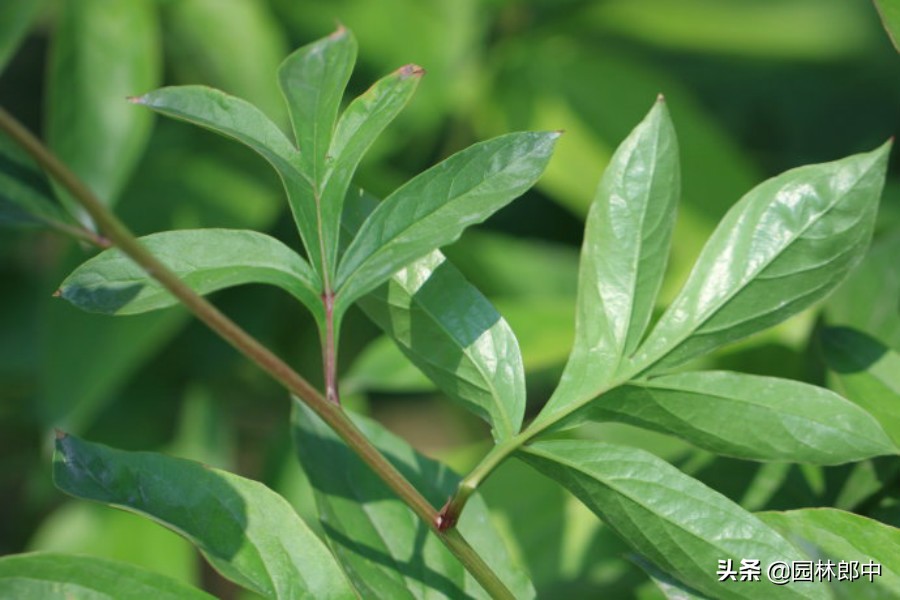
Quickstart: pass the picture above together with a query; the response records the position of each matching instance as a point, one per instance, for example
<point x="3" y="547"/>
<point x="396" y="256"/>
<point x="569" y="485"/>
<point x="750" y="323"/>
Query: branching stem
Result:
<point x="119" y="235"/>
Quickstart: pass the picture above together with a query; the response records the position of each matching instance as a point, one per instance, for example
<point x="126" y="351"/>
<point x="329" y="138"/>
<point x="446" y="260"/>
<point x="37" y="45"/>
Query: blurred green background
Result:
<point x="755" y="87"/>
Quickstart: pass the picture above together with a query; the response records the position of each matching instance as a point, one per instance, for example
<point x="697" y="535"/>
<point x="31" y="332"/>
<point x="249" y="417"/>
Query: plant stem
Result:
<point x="117" y="233"/>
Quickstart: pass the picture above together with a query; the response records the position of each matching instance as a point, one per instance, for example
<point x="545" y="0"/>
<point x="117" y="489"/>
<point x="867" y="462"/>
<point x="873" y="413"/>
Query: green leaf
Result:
<point x="841" y="536"/>
<point x="785" y="245"/>
<point x="382" y="367"/>
<point x="206" y="259"/>
<point x="103" y="51"/>
<point x="673" y="520"/>
<point x="434" y="208"/>
<point x="450" y="331"/>
<point x="889" y="11"/>
<point x="748" y="416"/>
<point x="15" y="18"/>
<point x="52" y="576"/>
<point x="671" y="588"/>
<point x="866" y="372"/>
<point x="26" y="198"/>
<point x="313" y="80"/>
<point x="623" y="258"/>
<point x="359" y="126"/>
<point x="386" y="550"/>
<point x="244" y="529"/>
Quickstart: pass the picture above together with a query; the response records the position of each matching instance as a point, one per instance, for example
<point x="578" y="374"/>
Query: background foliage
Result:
<point x="754" y="88"/>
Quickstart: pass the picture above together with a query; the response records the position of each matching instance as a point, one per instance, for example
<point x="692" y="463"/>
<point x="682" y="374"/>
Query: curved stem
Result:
<point x="119" y="235"/>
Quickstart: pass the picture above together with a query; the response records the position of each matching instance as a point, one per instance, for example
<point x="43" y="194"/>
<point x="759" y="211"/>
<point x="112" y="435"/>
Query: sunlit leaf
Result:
<point x="244" y="529"/>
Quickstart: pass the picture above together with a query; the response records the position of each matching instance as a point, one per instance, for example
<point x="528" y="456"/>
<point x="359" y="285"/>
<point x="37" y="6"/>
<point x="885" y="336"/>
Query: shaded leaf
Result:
<point x="205" y="259"/>
<point x="434" y="208"/>
<point x="103" y="51"/>
<point x="382" y="367"/>
<point x="835" y="535"/>
<point x="674" y="521"/>
<point x="450" y="331"/>
<point x="244" y="529"/>
<point x="386" y="550"/>
<point x="748" y="416"/>
<point x="785" y="245"/>
<point x="26" y="197"/>
<point x="866" y="372"/>
<point x="52" y="576"/>
<point x="671" y="588"/>
<point x="623" y="258"/>
<point x="15" y="18"/>
<point x="889" y="11"/>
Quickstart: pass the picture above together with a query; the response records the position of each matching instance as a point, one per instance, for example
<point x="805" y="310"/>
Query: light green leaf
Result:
<point x="785" y="245"/>
<point x="312" y="80"/>
<point x="206" y="259"/>
<point x="673" y="520"/>
<point x="748" y="416"/>
<point x="450" y="331"/>
<point x="386" y="550"/>
<point x="889" y="11"/>
<point x="359" y="126"/>
<point x="103" y="51"/>
<point x="244" y="529"/>
<point x="623" y="258"/>
<point x="382" y="367"/>
<point x="671" y="588"/>
<point x="434" y="208"/>
<point x="866" y="372"/>
<point x="837" y="536"/>
<point x="52" y="576"/>
<point x="15" y="18"/>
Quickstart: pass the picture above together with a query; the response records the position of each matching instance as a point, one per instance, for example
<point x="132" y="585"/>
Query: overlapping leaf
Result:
<point x="889" y="11"/>
<point x="25" y="195"/>
<point x="623" y="259"/>
<point x="450" y="331"/>
<point x="434" y="208"/>
<point x="785" y="245"/>
<point x="15" y="17"/>
<point x="245" y="530"/>
<point x="385" y="549"/>
<point x="747" y="416"/>
<point x="673" y="520"/>
<point x="206" y="259"/>
<point x="52" y="576"/>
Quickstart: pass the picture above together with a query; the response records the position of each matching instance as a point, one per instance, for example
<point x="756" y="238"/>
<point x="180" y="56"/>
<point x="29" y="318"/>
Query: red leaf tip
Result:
<point x="57" y="293"/>
<point x="135" y="99"/>
<point x="411" y="70"/>
<point x="60" y="434"/>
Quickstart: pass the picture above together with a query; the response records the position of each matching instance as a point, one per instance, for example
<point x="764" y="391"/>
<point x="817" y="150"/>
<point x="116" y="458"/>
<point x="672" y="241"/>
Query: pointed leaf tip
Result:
<point x="339" y="32"/>
<point x="411" y="70"/>
<point x="59" y="434"/>
<point x="660" y="97"/>
<point x="135" y="99"/>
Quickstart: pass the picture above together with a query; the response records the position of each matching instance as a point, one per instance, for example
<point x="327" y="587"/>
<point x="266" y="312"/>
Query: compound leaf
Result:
<point x="435" y="207"/>
<point x="386" y="550"/>
<point x="748" y="416"/>
<point x="54" y="576"/>
<point x="671" y="519"/>
<point x="205" y="259"/>
<point x="785" y="245"/>
<point x="250" y="534"/>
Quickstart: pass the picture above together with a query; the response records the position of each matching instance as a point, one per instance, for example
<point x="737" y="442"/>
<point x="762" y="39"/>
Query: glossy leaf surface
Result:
<point x="206" y="259"/>
<point x="451" y="332"/>
<point x="748" y="416"/>
<point x="866" y="372"/>
<point x="785" y="245"/>
<point x="434" y="208"/>
<point x="53" y="576"/>
<point x="386" y="550"/>
<point x="837" y="536"/>
<point x="246" y="531"/>
<point x="671" y="519"/>
<point x="103" y="52"/>
<point x="623" y="257"/>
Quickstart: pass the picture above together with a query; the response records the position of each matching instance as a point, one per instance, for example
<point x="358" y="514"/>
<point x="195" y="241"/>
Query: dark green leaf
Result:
<point x="312" y="80"/>
<point x="841" y="536"/>
<point x="51" y="576"/>
<point x="785" y="245"/>
<point x="206" y="259"/>
<point x="245" y="530"/>
<point x="889" y="11"/>
<point x="15" y="18"/>
<point x="626" y="245"/>
<point x="386" y="550"/>
<point x="673" y="520"/>
<point x="25" y="195"/>
<point x="866" y="372"/>
<point x="104" y="51"/>
<point x="747" y="416"/>
<point x="436" y="206"/>
<point x="451" y="332"/>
